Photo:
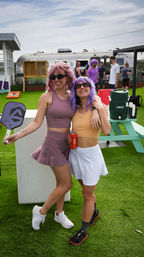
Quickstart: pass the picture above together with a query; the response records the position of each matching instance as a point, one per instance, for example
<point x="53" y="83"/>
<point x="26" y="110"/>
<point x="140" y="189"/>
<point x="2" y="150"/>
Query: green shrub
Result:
<point x="16" y="87"/>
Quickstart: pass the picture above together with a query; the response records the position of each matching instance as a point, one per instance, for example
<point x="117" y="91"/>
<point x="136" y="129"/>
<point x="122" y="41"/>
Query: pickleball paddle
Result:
<point x="12" y="116"/>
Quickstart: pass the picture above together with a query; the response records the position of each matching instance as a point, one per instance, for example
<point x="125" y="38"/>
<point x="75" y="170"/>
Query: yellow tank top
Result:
<point x="81" y="123"/>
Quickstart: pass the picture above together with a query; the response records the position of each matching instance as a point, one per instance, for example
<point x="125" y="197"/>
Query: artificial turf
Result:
<point x="120" y="199"/>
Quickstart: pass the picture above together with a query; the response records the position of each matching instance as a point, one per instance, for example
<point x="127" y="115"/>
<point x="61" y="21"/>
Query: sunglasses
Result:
<point x="80" y="85"/>
<point x="59" y="76"/>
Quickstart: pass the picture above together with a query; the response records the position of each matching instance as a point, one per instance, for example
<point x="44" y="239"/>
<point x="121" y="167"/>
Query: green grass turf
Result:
<point x="120" y="199"/>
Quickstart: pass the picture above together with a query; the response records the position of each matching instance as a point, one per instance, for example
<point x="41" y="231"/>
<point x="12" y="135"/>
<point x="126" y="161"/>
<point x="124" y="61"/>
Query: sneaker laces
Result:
<point x="65" y="216"/>
<point x="78" y="233"/>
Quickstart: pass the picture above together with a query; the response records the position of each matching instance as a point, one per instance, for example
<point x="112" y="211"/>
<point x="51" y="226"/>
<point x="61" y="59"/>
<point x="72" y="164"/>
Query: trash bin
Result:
<point x="118" y="104"/>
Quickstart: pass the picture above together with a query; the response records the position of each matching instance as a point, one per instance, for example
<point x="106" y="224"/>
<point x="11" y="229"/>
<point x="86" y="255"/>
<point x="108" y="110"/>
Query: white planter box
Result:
<point x="35" y="181"/>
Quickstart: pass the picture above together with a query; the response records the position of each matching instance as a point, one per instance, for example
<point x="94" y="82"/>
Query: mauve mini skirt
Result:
<point x="55" y="149"/>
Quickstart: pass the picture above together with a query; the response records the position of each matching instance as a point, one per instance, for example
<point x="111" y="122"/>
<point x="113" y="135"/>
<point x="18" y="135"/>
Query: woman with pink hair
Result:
<point x="55" y="104"/>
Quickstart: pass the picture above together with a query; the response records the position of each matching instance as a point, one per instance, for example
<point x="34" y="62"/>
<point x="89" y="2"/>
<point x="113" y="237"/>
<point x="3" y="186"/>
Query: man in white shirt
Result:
<point x="114" y="73"/>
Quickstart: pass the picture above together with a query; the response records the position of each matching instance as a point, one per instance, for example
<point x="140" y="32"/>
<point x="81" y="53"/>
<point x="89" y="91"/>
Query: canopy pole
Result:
<point x="134" y="72"/>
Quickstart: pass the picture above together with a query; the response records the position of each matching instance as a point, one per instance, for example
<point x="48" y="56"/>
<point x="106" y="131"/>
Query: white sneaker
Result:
<point x="37" y="218"/>
<point x="63" y="220"/>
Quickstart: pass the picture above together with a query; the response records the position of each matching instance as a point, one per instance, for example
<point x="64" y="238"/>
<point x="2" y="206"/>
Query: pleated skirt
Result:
<point x="87" y="164"/>
<point x="54" y="151"/>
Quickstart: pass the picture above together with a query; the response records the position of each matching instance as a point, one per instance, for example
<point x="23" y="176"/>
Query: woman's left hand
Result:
<point x="97" y="102"/>
<point x="95" y="119"/>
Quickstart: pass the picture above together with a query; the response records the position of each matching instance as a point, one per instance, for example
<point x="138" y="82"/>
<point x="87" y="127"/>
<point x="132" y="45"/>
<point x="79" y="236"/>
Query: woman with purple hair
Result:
<point x="86" y="161"/>
<point x="92" y="72"/>
<point x="55" y="105"/>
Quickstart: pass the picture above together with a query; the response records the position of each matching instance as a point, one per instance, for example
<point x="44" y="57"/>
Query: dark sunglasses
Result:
<point x="59" y="76"/>
<point x="84" y="85"/>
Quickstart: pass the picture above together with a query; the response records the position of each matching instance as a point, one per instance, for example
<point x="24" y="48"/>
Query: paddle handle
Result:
<point x="7" y="134"/>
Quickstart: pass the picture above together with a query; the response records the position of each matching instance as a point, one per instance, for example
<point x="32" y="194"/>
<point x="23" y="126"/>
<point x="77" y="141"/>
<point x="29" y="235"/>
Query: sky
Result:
<point x="43" y="25"/>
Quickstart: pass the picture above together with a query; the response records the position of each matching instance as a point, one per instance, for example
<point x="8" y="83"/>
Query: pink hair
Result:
<point x="60" y="66"/>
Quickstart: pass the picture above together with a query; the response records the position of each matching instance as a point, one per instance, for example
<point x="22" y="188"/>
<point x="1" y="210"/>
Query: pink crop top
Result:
<point x="81" y="123"/>
<point x="59" y="113"/>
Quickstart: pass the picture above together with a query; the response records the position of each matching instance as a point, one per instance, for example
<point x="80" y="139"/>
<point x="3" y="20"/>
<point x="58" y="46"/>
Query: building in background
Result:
<point x="65" y="55"/>
<point x="8" y="44"/>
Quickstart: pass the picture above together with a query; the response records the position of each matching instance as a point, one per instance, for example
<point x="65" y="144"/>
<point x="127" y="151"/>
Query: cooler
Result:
<point x="118" y="104"/>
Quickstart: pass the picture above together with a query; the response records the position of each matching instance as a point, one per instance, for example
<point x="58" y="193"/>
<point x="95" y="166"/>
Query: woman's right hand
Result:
<point x="10" y="139"/>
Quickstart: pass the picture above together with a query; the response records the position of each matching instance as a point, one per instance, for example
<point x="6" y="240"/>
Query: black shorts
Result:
<point x="125" y="82"/>
<point x="112" y="86"/>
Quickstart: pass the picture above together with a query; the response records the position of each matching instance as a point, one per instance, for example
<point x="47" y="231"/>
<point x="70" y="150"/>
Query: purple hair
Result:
<point x="93" y="72"/>
<point x="93" y="61"/>
<point x="60" y="66"/>
<point x="75" y="99"/>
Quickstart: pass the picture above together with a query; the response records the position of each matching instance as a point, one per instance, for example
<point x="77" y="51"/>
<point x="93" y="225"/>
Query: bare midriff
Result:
<point x="86" y="142"/>
<point x="59" y="129"/>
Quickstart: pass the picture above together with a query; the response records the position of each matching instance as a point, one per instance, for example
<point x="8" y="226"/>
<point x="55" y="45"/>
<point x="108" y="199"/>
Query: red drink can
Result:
<point x="73" y="137"/>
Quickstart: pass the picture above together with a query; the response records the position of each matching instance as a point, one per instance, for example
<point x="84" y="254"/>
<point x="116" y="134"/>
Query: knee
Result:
<point x="87" y="195"/>
<point x="67" y="186"/>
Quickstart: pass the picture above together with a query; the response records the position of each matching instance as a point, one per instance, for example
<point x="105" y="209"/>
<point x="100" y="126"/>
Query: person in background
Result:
<point x="114" y="73"/>
<point x="77" y="69"/>
<point x="86" y="161"/>
<point x="102" y="74"/>
<point x="55" y="104"/>
<point x="86" y="69"/>
<point x="125" y="76"/>
<point x="92" y="72"/>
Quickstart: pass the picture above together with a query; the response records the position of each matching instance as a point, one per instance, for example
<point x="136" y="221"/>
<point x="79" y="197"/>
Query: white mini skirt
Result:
<point x="87" y="164"/>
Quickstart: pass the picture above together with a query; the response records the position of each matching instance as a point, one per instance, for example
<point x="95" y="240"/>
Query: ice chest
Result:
<point x="118" y="104"/>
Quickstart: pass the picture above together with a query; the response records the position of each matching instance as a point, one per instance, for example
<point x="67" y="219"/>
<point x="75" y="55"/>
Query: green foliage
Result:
<point x="119" y="199"/>
<point x="36" y="81"/>
<point x="16" y="87"/>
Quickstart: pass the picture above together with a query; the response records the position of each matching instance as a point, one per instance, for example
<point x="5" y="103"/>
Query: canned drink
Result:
<point x="0" y="120"/>
<point x="73" y="137"/>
